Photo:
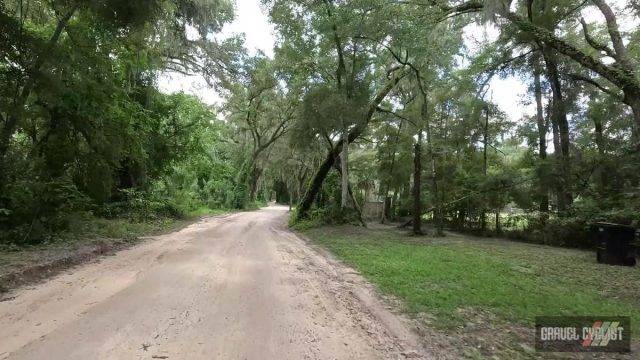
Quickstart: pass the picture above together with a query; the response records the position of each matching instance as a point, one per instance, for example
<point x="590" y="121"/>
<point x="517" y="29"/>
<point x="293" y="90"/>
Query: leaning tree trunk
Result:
<point x="323" y="170"/>
<point x="318" y="179"/>
<point x="417" y="198"/>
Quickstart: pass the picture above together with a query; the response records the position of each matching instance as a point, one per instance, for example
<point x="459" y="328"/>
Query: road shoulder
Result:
<point x="22" y="266"/>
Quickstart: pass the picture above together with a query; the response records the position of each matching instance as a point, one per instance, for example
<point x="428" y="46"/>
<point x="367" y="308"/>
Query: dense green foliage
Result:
<point x="85" y="129"/>
<point x="543" y="177"/>
<point x="363" y="101"/>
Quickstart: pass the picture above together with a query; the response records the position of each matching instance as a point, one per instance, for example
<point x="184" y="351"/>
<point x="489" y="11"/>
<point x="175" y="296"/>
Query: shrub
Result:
<point x="142" y="206"/>
<point x="36" y="209"/>
<point x="330" y="215"/>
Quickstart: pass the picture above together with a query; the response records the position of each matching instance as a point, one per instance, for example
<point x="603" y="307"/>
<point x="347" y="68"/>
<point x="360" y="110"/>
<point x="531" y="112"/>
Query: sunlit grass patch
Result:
<point x="515" y="282"/>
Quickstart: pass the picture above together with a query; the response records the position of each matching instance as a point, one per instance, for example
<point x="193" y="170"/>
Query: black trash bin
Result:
<point x="616" y="244"/>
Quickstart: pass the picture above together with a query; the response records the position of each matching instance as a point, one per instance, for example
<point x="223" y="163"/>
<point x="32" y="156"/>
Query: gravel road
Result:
<point x="239" y="286"/>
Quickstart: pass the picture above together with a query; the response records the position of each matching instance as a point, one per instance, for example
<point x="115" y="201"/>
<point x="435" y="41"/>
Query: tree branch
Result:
<point x="594" y="43"/>
<point x="591" y="81"/>
<point x="614" y="33"/>
<point x="391" y="112"/>
<point x="340" y="71"/>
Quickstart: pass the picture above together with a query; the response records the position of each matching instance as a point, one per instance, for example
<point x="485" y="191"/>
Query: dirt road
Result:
<point x="233" y="287"/>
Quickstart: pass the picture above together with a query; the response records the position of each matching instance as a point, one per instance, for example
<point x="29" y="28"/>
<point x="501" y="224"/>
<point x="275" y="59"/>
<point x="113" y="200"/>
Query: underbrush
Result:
<point x="571" y="229"/>
<point x="84" y="227"/>
<point x="84" y="237"/>
<point x="572" y="232"/>
<point x="118" y="228"/>
<point x="132" y="214"/>
<point x="255" y="205"/>
<point x="331" y="215"/>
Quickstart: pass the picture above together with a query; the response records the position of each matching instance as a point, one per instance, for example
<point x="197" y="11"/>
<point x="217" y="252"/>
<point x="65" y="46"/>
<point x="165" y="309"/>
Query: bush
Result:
<point x="36" y="209"/>
<point x="142" y="206"/>
<point x="330" y="215"/>
<point x="572" y="230"/>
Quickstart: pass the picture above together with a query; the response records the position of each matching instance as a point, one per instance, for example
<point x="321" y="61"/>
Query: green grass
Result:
<point x="82" y="228"/>
<point x="205" y="211"/>
<point x="510" y="282"/>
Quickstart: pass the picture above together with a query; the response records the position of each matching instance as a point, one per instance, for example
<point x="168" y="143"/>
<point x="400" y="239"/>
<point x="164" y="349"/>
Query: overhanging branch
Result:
<point x="591" y="81"/>
<point x="594" y="43"/>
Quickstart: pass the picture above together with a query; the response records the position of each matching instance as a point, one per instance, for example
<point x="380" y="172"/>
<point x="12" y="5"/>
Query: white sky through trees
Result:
<point x="259" y="35"/>
<point x="509" y="93"/>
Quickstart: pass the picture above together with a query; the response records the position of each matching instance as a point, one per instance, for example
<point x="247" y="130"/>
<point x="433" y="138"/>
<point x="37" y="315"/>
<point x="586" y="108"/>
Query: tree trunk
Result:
<point x="386" y="209"/>
<point x="601" y="172"/>
<point x="417" y="198"/>
<point x="542" y="138"/>
<point x="632" y="98"/>
<point x="302" y="175"/>
<point x="462" y="215"/>
<point x="559" y="117"/>
<point x="394" y="201"/>
<point x="437" y="212"/>
<point x="323" y="170"/>
<point x="386" y="213"/>
<point x="356" y="206"/>
<point x="316" y="183"/>
<point x="256" y="172"/>
<point x="344" y="170"/>
<point x="485" y="141"/>
<point x="560" y="200"/>
<point x="338" y="165"/>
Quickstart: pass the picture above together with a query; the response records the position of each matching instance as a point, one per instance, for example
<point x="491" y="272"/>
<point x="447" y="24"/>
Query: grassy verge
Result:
<point x="464" y="285"/>
<point x="86" y="238"/>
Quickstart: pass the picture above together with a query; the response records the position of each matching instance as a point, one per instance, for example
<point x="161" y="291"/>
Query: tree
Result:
<point x="621" y="73"/>
<point x="260" y="109"/>
<point x="82" y="124"/>
<point x="347" y="65"/>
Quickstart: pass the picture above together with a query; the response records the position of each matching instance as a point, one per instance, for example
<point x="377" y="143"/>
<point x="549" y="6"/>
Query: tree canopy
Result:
<point x="363" y="102"/>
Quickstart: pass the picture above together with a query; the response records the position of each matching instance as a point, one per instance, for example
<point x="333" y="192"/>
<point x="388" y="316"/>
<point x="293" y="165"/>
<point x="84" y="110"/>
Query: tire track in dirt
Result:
<point x="236" y="287"/>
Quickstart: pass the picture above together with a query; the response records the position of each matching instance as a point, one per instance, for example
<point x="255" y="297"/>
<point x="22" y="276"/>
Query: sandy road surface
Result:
<point x="234" y="287"/>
